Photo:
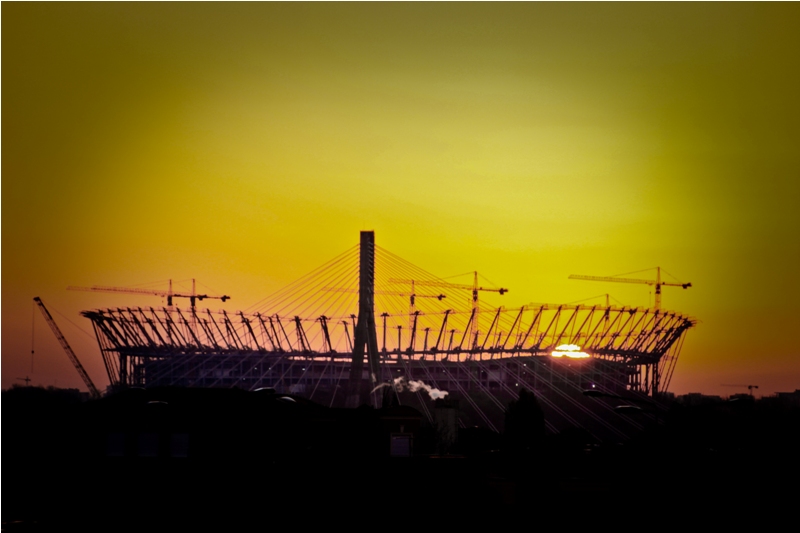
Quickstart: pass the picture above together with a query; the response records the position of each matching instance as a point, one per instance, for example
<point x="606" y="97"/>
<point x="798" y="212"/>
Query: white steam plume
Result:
<point x="379" y="387"/>
<point x="400" y="384"/>
<point x="435" y="394"/>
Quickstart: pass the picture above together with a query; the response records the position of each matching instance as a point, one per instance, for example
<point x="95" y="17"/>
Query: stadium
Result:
<point x="369" y="327"/>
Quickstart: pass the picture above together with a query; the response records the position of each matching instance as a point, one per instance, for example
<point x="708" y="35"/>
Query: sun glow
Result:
<point x="569" y="350"/>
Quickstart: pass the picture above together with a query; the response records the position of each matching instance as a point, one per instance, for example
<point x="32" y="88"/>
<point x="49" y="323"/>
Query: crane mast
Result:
<point x="749" y="387"/>
<point x="67" y="348"/>
<point x="169" y="295"/>
<point x="443" y="284"/>
<point x="657" y="283"/>
<point x="411" y="295"/>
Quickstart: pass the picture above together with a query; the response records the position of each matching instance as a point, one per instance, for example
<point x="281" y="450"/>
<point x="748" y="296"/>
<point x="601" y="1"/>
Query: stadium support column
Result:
<point x="655" y="378"/>
<point x="366" y="339"/>
<point x="123" y="370"/>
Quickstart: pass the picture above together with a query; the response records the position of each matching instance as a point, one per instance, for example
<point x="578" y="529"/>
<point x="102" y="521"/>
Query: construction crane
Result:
<point x="657" y="282"/>
<point x="64" y="344"/>
<point x="443" y="284"/>
<point x="412" y="296"/>
<point x="749" y="387"/>
<point x="169" y="295"/>
<point x="412" y="306"/>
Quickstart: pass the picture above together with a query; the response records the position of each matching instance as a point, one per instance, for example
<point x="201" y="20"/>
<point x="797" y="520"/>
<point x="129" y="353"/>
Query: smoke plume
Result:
<point x="400" y="384"/>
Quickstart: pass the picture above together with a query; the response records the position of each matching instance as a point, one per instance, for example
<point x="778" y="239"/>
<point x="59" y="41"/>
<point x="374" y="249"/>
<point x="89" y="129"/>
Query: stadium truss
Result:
<point x="305" y="340"/>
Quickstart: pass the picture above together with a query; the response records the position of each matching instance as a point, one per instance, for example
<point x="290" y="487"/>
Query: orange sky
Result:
<point x="245" y="144"/>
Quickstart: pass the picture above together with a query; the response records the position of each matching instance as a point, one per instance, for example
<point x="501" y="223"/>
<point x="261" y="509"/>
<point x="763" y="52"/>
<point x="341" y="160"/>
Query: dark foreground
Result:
<point x="179" y="459"/>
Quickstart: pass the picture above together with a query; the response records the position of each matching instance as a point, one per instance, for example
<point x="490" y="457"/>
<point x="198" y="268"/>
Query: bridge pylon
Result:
<point x="365" y="338"/>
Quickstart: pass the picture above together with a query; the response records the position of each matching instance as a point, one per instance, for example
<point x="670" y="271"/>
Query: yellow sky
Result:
<point x="244" y="144"/>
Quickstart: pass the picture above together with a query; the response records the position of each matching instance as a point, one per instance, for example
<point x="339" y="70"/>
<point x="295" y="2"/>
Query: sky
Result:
<point x="244" y="144"/>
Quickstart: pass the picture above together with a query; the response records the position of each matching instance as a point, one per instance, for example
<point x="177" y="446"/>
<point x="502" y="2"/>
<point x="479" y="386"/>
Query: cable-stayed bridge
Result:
<point x="368" y="318"/>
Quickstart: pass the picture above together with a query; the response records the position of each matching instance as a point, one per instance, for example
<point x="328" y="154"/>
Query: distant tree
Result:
<point x="524" y="423"/>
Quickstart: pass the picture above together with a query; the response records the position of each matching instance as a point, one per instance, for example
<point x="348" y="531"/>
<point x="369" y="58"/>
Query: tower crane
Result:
<point x="443" y="284"/>
<point x="169" y="295"/>
<point x="749" y="387"/>
<point x="657" y="282"/>
<point x="67" y="348"/>
<point x="412" y="296"/>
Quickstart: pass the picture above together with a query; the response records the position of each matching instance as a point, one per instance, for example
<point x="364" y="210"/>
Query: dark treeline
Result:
<point x="174" y="458"/>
